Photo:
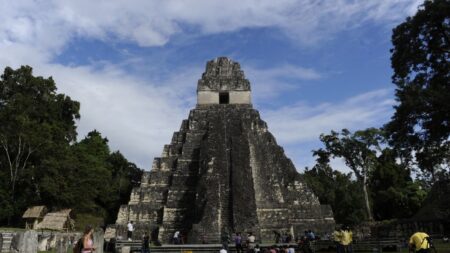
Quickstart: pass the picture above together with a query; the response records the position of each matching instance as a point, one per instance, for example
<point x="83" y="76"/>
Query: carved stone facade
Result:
<point x="223" y="172"/>
<point x="223" y="83"/>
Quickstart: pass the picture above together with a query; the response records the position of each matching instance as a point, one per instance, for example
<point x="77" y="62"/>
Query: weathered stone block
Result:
<point x="28" y="242"/>
<point x="99" y="240"/>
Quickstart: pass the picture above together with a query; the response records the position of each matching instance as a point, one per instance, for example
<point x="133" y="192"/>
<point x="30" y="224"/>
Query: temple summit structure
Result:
<point x="223" y="172"/>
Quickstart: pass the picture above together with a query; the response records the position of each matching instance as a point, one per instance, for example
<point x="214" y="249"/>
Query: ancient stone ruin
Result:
<point x="223" y="172"/>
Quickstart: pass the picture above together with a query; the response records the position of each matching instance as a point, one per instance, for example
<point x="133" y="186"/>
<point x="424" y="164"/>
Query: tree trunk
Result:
<point x="366" y="199"/>
<point x="17" y="164"/>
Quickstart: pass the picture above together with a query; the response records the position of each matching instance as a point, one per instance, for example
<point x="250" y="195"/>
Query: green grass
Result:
<point x="54" y="251"/>
<point x="440" y="248"/>
<point x="83" y="220"/>
<point x="8" y="229"/>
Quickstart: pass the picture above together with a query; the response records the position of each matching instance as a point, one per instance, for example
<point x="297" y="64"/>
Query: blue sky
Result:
<point x="314" y="65"/>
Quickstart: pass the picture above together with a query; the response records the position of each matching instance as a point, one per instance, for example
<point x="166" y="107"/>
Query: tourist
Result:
<point x="272" y="249"/>
<point x="251" y="241"/>
<point x="350" y="240"/>
<point x="176" y="237"/>
<point x="337" y="238"/>
<point x="311" y="236"/>
<point x="284" y="238"/>
<point x="345" y="240"/>
<point x="145" y="243"/>
<point x="238" y="242"/>
<point x="223" y="250"/>
<point x="420" y="242"/>
<point x="288" y="238"/>
<point x="445" y="239"/>
<point x="304" y="245"/>
<point x="266" y="250"/>
<point x="183" y="237"/>
<point x="225" y="239"/>
<point x="291" y="249"/>
<point x="88" y="241"/>
<point x="277" y="236"/>
<point x="130" y="228"/>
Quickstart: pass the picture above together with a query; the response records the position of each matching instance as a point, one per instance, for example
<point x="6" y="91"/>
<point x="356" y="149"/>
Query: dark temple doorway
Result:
<point x="224" y="98"/>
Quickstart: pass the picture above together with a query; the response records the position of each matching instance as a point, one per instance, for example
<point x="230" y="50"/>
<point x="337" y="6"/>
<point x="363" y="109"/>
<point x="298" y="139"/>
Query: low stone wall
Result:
<point x="22" y="242"/>
<point x="33" y="241"/>
<point x="405" y="228"/>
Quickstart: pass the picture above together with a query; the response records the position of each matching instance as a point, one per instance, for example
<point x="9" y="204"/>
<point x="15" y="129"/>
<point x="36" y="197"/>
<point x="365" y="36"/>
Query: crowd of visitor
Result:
<point x="288" y="245"/>
<point x="342" y="237"/>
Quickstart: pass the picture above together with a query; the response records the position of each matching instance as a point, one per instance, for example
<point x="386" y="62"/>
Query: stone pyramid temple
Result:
<point x="223" y="172"/>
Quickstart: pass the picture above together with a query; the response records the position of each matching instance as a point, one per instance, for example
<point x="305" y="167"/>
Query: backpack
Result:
<point x="429" y="241"/>
<point x="78" y="247"/>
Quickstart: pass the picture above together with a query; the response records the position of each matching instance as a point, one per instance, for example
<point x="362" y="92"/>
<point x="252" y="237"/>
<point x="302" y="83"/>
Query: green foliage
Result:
<point x="40" y="160"/>
<point x="105" y="179"/>
<point x="437" y="204"/>
<point x="91" y="219"/>
<point x="420" y="127"/>
<point x="339" y="191"/>
<point x="359" y="151"/>
<point x="125" y="176"/>
<point x="393" y="192"/>
<point x="92" y="173"/>
<point x="36" y="121"/>
<point x="418" y="133"/>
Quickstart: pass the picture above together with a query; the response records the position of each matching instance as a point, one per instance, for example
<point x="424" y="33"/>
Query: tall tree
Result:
<point x="104" y="180"/>
<point x="35" y="120"/>
<point x="393" y="192"/>
<point x="359" y="151"/>
<point x="94" y="175"/>
<point x="40" y="160"/>
<point x="125" y="176"/>
<point x="337" y="189"/>
<point x="420" y="127"/>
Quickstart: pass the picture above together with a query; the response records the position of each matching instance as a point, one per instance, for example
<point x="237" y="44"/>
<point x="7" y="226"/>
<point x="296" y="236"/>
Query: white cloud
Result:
<point x="297" y="127"/>
<point x="50" y="24"/>
<point x="271" y="82"/>
<point x="302" y="122"/>
<point x="139" y="116"/>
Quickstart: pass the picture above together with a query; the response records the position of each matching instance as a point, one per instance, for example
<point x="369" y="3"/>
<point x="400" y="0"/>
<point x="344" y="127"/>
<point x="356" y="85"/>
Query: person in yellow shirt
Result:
<point x="345" y="240"/>
<point x="349" y="248"/>
<point x="337" y="235"/>
<point x="419" y="242"/>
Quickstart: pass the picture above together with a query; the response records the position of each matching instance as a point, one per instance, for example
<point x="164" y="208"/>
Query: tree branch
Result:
<point x="5" y="147"/>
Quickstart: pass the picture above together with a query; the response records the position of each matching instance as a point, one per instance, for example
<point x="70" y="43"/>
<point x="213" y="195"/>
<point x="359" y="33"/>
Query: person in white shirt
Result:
<point x="291" y="249"/>
<point x="251" y="238"/>
<point x="130" y="228"/>
<point x="251" y="241"/>
<point x="223" y="250"/>
<point x="176" y="237"/>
